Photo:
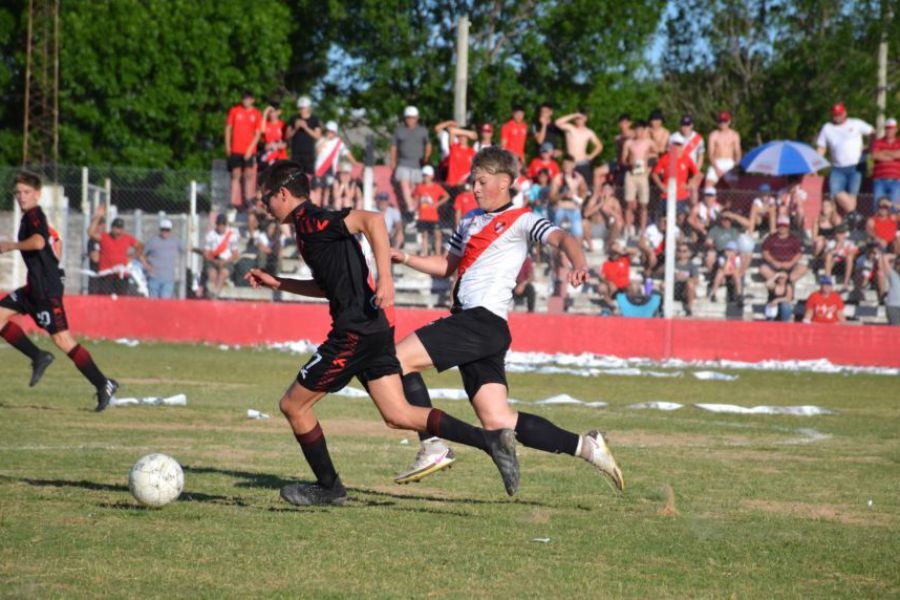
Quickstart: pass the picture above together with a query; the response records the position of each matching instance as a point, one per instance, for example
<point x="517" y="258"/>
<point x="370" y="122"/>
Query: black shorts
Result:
<point x="425" y="226"/>
<point x="237" y="161"/>
<point x="347" y="354"/>
<point x="48" y="313"/>
<point x="680" y="290"/>
<point x="475" y="340"/>
<point x="322" y="182"/>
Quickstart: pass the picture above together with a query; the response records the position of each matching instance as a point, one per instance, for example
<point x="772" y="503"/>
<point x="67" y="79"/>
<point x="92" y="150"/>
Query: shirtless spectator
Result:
<point x="882" y="227"/>
<point x="345" y="191"/>
<point x="840" y="256"/>
<point x="410" y="150"/>
<point x="331" y="151"/>
<point x="626" y="132"/>
<point x="724" y="150"/>
<point x="242" y="131"/>
<point x="886" y="156"/>
<point x="824" y="305"/>
<point x="393" y="220"/>
<point x="615" y="274"/>
<point x="220" y="253"/>
<point x="569" y="192"/>
<point x="825" y="226"/>
<point x="658" y="133"/>
<point x="694" y="147"/>
<point x="782" y="251"/>
<point x="544" y="129"/>
<point x="543" y="162"/>
<point x="582" y="144"/>
<point x="460" y="155"/>
<point x="603" y="207"/>
<point x="636" y="155"/>
<point x="514" y="133"/>
<point x="763" y="210"/>
<point x="843" y="140"/>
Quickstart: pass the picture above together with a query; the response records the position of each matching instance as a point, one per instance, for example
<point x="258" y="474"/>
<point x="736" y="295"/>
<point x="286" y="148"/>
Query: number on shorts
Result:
<point x="312" y="362"/>
<point x="43" y="318"/>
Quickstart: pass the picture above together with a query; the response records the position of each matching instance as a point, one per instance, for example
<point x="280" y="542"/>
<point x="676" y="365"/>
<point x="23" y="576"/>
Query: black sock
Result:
<point x="315" y="450"/>
<point x="417" y="394"/>
<point x="537" y="432"/>
<point x="84" y="362"/>
<point x="442" y="425"/>
<point x="13" y="334"/>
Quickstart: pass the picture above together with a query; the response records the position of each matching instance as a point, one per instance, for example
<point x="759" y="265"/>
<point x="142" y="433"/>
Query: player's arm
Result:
<point x="371" y="224"/>
<point x="302" y="287"/>
<point x="571" y="247"/>
<point x="34" y="242"/>
<point x="437" y="266"/>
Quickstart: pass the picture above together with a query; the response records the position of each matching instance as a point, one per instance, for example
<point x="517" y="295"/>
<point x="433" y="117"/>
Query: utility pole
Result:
<point x="462" y="70"/>
<point x="40" y="127"/>
<point x="881" y="100"/>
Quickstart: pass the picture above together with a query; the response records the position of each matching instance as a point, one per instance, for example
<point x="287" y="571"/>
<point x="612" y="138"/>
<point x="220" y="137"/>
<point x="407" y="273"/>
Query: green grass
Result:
<point x="758" y="513"/>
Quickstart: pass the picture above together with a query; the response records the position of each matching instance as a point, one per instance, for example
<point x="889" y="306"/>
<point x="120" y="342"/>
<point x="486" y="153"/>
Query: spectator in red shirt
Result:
<point x="542" y="162"/>
<point x="824" y="305"/>
<point x="114" y="254"/>
<point x="459" y="160"/>
<point x="687" y="175"/>
<point x="514" y="133"/>
<point x="429" y="196"/>
<point x="882" y="227"/>
<point x="615" y="274"/>
<point x="242" y="132"/>
<point x="782" y="252"/>
<point x="524" y="289"/>
<point x="465" y="203"/>
<point x="273" y="136"/>
<point x="886" y="154"/>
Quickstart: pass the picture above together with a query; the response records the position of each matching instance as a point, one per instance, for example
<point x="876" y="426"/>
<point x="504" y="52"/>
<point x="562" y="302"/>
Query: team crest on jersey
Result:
<point x="499" y="226"/>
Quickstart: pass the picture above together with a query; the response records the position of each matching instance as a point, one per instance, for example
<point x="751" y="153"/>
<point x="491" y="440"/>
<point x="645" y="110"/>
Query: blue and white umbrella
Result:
<point x="783" y="157"/>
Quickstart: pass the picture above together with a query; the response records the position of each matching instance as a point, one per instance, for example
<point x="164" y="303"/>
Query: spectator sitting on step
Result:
<point x="615" y="274"/>
<point x="539" y="193"/>
<point x="824" y="227"/>
<point x="687" y="277"/>
<point x="791" y="201"/>
<point x="763" y="211"/>
<point x="704" y="214"/>
<point x="783" y="251"/>
<point x="839" y="256"/>
<point x="882" y="227"/>
<point x="779" y="306"/>
<point x="345" y="190"/>
<point x="524" y="290"/>
<point x="717" y="238"/>
<point x="824" y="305"/>
<point x="220" y="252"/>
<point x="544" y="161"/>
<point x="603" y="209"/>
<point x="393" y="220"/>
<point x="636" y="302"/>
<point x="867" y="273"/>
<point x="728" y="267"/>
<point x="652" y="244"/>
<point x="889" y="274"/>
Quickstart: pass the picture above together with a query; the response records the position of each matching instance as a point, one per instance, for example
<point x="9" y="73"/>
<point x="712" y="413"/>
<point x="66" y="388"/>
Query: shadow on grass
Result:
<point x="30" y="406"/>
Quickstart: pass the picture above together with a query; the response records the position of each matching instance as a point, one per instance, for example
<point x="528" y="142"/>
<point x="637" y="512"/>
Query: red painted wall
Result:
<point x="248" y="323"/>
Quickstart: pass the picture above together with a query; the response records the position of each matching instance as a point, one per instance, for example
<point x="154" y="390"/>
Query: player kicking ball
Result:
<point x="361" y="341"/>
<point x="41" y="298"/>
<point x="486" y="253"/>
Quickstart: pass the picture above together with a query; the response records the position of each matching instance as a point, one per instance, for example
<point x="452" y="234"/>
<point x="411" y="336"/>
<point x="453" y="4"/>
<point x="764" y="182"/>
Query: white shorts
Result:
<point x="408" y="174"/>
<point x="724" y="164"/>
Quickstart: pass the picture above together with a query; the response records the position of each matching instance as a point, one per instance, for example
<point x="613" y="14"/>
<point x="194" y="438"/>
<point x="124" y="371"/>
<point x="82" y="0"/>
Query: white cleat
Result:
<point x="601" y="457"/>
<point x="433" y="456"/>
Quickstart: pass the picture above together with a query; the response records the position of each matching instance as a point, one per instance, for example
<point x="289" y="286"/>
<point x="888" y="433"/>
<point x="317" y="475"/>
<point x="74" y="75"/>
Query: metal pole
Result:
<point x="671" y="228"/>
<point x="881" y="99"/>
<point x="193" y="241"/>
<point x="86" y="222"/>
<point x="16" y="263"/>
<point x="462" y="70"/>
<point x="369" y="174"/>
<point x="107" y="187"/>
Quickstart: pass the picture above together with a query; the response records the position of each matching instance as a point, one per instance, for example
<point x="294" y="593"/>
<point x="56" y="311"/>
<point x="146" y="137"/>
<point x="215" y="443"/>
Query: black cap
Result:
<point x="118" y="222"/>
<point x="687" y="120"/>
<point x="656" y="115"/>
<point x="221" y="219"/>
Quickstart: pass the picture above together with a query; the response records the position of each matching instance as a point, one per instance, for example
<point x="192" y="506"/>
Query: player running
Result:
<point x="361" y="341"/>
<point x="42" y="296"/>
<point x="486" y="252"/>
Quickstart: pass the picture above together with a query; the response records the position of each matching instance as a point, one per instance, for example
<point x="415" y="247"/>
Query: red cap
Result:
<point x="724" y="116"/>
<point x="838" y="109"/>
<point x="487" y="128"/>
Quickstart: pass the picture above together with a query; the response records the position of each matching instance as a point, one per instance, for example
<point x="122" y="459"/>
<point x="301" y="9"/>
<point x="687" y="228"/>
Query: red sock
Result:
<point x="84" y="362"/>
<point x="13" y="334"/>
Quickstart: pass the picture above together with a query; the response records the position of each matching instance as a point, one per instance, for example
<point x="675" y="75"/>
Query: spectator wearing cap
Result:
<point x="724" y="150"/>
<point x="703" y="216"/>
<point x="242" y="132"/>
<point x="303" y="133"/>
<point x="763" y="210"/>
<point x="695" y="147"/>
<point x="346" y="191"/>
<point x="544" y="129"/>
<point x="882" y="228"/>
<point x="514" y="133"/>
<point x="410" y="150"/>
<point x="658" y="133"/>
<point x="459" y="155"/>
<point x="393" y="220"/>
<point x="886" y="174"/>
<point x="687" y="174"/>
<point x="843" y="140"/>
<point x="486" y="137"/>
<point x="331" y="151"/>
<point x="582" y="144"/>
<point x="220" y="252"/>
<point x="824" y="305"/>
<point x="429" y="197"/>
<point x="273" y="136"/>
<point x="889" y="274"/>
<point x="839" y="255"/>
<point x="116" y="250"/>
<point x="162" y="253"/>
<point x="782" y="251"/>
<point x="544" y="161"/>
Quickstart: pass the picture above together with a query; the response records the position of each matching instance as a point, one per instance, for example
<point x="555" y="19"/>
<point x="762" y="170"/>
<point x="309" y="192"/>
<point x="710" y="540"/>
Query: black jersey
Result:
<point x="338" y="267"/>
<point x="44" y="274"/>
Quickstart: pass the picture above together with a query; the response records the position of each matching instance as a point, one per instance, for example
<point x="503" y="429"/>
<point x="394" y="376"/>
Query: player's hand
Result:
<point x="384" y="292"/>
<point x="398" y="256"/>
<point x="258" y="278"/>
<point x="578" y="277"/>
<point x="6" y="247"/>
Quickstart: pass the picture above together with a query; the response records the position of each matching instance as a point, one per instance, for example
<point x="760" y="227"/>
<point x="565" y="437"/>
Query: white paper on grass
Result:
<point x="657" y="405"/>
<point x="803" y="411"/>
<point x="176" y="400"/>
<point x="713" y="376"/>
<point x="252" y="413"/>
<point x="128" y="342"/>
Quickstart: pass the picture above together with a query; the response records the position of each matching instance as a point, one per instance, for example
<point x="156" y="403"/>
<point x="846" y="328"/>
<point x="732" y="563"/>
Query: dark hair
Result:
<point x="624" y="117"/>
<point x="287" y="174"/>
<point x="568" y="158"/>
<point x="518" y="107"/>
<point x="547" y="105"/>
<point x="583" y="110"/>
<point x="640" y="123"/>
<point x="247" y="94"/>
<point x="656" y="114"/>
<point x="29" y="178"/>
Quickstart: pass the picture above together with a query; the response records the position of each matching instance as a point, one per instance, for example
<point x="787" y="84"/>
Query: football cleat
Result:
<point x="433" y="456"/>
<point x="106" y="393"/>
<point x="315" y="494"/>
<point x="502" y="448"/>
<point x="38" y="366"/>
<point x="601" y="457"/>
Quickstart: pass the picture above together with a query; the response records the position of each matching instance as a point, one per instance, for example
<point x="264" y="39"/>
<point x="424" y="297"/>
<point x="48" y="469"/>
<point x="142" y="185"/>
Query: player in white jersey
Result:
<point x="486" y="252"/>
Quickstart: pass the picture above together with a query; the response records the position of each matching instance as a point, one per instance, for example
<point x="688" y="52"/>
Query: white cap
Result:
<point x="304" y="102"/>
<point x="676" y="138"/>
<point x="410" y="111"/>
<point x="890" y="122"/>
<point x="331" y="126"/>
<point x="346" y="167"/>
<point x="428" y="171"/>
<point x="165" y="224"/>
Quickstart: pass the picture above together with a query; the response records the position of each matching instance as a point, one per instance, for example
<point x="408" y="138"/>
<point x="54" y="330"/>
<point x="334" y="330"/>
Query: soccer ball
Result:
<point x="155" y="480"/>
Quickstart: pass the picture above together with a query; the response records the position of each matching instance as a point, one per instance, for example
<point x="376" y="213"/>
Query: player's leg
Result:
<point x="11" y="305"/>
<point x="236" y="170"/>
<point x="62" y="337"/>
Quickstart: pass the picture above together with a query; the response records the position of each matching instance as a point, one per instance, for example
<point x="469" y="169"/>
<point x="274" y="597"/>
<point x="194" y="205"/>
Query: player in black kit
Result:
<point x="42" y="295"/>
<point x="361" y="341"/>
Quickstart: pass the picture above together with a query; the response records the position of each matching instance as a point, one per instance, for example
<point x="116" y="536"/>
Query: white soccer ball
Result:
<point x="155" y="480"/>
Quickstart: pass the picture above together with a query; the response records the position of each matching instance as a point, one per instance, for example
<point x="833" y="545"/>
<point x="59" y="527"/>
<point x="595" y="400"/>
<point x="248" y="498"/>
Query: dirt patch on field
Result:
<point x="827" y="512"/>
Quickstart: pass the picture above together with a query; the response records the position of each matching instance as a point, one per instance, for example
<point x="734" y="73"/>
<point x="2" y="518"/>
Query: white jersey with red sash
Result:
<point x="695" y="147"/>
<point x="329" y="153"/>
<point x="492" y="247"/>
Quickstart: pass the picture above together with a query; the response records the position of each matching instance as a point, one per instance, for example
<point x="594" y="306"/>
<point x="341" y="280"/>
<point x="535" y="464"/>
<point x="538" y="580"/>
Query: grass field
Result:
<point x="715" y="505"/>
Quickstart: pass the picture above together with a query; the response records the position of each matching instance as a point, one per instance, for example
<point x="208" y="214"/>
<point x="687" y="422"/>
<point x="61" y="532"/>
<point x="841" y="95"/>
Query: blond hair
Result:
<point x="496" y="160"/>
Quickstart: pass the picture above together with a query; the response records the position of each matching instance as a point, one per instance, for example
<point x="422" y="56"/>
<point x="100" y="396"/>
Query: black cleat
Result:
<point x="38" y="366"/>
<point x="502" y="448"/>
<point x="314" y="494"/>
<point x="106" y="393"/>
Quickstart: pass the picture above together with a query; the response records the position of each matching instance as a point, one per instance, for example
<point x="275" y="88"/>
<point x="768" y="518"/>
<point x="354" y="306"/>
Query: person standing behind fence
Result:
<point x="303" y="134"/>
<point x="162" y="254"/>
<point x="114" y="254"/>
<point x="243" y="128"/>
<point x="410" y="151"/>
